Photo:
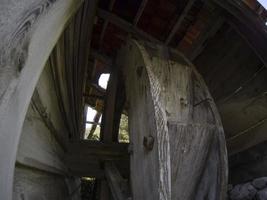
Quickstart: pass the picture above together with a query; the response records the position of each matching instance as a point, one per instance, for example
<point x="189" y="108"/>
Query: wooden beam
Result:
<point x="139" y="12"/>
<point x="248" y="25"/>
<point x="179" y="21"/>
<point x="126" y="26"/>
<point x="117" y="184"/>
<point x="84" y="157"/>
<point x="101" y="57"/>
<point x="109" y="108"/>
<point x="111" y="5"/>
<point x="85" y="167"/>
<point x="45" y="116"/>
<point x="94" y="123"/>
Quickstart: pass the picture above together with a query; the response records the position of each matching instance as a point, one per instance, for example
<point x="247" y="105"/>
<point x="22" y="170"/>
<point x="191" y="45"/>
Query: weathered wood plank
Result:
<point x="106" y="132"/>
<point x="178" y="141"/>
<point x="28" y="34"/>
<point x="102" y="151"/>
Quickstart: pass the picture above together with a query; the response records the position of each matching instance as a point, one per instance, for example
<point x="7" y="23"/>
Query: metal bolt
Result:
<point x="148" y="142"/>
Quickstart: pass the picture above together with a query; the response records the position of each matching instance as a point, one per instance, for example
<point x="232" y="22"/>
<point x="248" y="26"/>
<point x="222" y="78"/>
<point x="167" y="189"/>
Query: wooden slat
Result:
<point x="179" y="21"/>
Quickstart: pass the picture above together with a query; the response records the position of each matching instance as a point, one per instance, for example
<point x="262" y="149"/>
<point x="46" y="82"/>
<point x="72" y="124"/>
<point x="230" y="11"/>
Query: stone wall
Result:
<point x="253" y="190"/>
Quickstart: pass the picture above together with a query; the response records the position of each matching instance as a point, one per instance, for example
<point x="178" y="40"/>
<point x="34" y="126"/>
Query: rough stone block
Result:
<point x="243" y="192"/>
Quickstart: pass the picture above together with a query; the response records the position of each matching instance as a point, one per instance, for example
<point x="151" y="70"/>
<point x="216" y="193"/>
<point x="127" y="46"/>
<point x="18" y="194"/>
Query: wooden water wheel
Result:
<point x="178" y="144"/>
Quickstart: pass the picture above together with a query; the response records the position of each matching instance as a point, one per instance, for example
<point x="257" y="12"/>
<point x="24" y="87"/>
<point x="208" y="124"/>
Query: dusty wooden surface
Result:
<point x="178" y="140"/>
<point x="29" y="31"/>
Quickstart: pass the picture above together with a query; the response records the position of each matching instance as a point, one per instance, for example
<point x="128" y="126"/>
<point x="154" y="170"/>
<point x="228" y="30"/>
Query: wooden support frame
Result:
<point x="126" y="26"/>
<point x="197" y="47"/>
<point x="39" y="32"/>
<point x="102" y="34"/>
<point x="101" y="57"/>
<point x="102" y="151"/>
<point x="139" y="12"/>
<point x="247" y="25"/>
<point x="179" y="21"/>
<point x="109" y="108"/>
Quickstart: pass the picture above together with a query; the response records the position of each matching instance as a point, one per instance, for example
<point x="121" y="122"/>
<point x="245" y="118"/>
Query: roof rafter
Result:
<point x="179" y="21"/>
<point x="126" y="26"/>
<point x="139" y="12"/>
<point x="110" y="8"/>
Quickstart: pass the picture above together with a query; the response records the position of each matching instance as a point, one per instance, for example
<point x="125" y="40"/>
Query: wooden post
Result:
<point x="106" y="132"/>
<point x="178" y="141"/>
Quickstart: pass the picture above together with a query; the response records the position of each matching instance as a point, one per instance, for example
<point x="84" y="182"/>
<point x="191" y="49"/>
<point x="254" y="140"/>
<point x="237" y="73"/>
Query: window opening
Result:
<point x="124" y="130"/>
<point x="103" y="80"/>
<point x="93" y="121"/>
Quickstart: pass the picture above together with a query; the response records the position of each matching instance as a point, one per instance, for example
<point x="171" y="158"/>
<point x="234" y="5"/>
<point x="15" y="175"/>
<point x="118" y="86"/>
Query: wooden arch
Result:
<point x="29" y="31"/>
<point x="178" y="141"/>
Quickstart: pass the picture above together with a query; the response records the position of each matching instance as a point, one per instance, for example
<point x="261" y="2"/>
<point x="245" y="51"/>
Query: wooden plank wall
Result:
<point x="40" y="171"/>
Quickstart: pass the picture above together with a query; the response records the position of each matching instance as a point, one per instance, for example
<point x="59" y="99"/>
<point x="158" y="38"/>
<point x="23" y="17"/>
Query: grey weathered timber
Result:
<point x="96" y="150"/>
<point x="28" y="32"/>
<point x="178" y="141"/>
<point x="105" y="25"/>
